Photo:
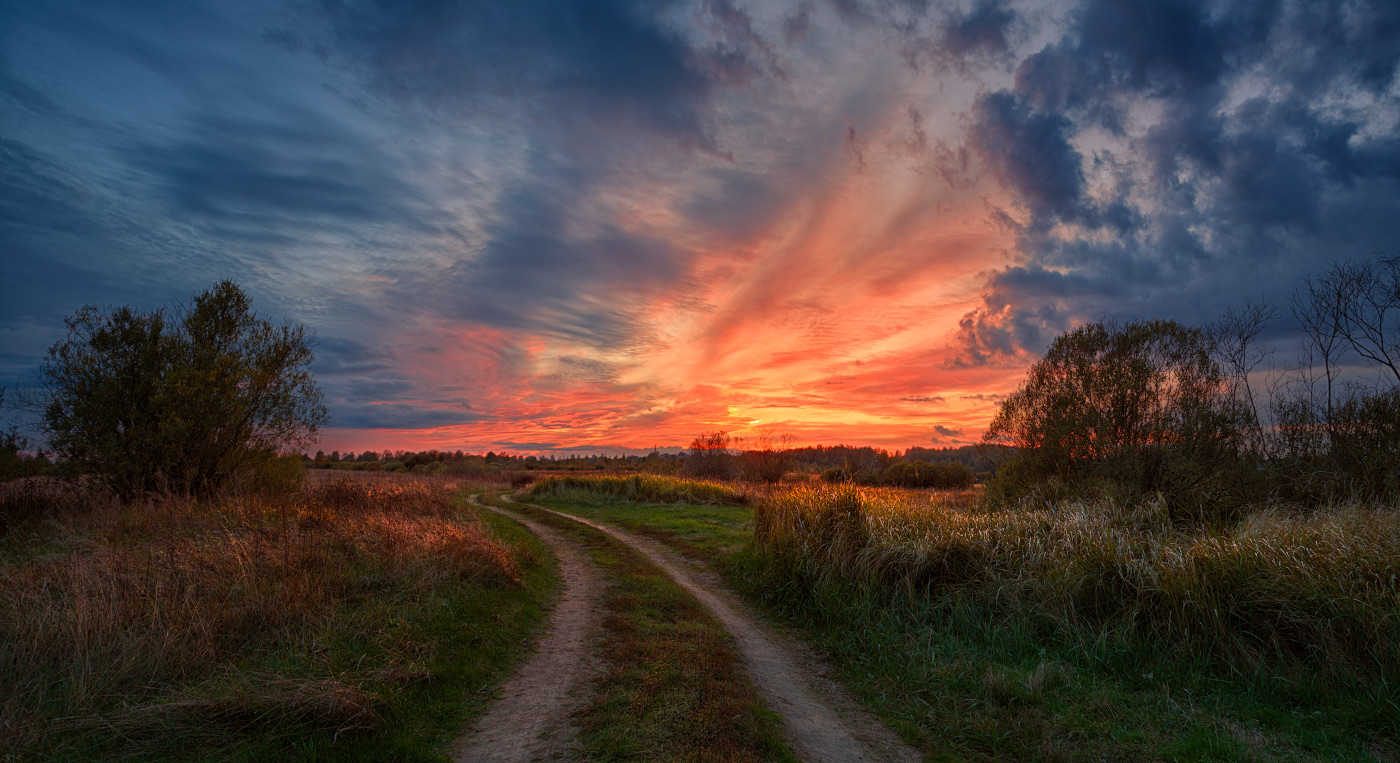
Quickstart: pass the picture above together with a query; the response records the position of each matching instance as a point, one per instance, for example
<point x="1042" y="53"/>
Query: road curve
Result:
<point x="822" y="723"/>
<point x="531" y="720"/>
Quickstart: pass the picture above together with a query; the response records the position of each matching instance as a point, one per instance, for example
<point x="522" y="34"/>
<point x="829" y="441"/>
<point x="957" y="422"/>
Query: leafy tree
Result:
<point x="1142" y="406"/>
<point x="710" y="456"/>
<point x="185" y="400"/>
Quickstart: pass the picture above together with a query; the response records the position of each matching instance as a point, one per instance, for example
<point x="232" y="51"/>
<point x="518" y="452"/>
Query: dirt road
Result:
<point x="532" y="719"/>
<point x="821" y="722"/>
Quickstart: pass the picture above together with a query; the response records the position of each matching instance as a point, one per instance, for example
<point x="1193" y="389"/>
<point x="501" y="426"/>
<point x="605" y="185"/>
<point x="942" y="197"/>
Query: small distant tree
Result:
<point x="18" y="457"/>
<point x="768" y="457"/>
<point x="710" y="456"/>
<point x="185" y="400"/>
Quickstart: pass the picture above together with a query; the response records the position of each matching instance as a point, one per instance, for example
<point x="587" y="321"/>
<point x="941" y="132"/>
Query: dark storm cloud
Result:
<point x="982" y="31"/>
<point x="595" y="60"/>
<point x="1226" y="146"/>
<point x="1030" y="152"/>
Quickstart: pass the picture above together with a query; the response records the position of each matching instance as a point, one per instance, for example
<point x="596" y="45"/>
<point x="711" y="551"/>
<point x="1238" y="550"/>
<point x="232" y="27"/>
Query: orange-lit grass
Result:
<point x="1322" y="587"/>
<point x="1095" y="630"/>
<point x="148" y="622"/>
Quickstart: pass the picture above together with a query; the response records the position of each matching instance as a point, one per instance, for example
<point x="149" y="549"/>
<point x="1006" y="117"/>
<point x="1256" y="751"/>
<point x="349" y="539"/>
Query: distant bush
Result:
<point x="641" y="488"/>
<point x="948" y="475"/>
<point x="835" y="474"/>
<point x="273" y="475"/>
<point x="710" y="457"/>
<point x="42" y="498"/>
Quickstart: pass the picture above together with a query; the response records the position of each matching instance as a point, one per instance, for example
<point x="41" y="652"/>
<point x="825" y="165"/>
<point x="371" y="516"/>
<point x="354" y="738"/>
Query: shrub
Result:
<point x="184" y="401"/>
<point x="710" y="457"/>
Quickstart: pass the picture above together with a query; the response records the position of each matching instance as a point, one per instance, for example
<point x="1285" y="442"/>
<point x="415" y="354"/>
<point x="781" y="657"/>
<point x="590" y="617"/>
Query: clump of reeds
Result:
<point x="43" y="498"/>
<point x="639" y="488"/>
<point x="1321" y="588"/>
<point x="174" y="593"/>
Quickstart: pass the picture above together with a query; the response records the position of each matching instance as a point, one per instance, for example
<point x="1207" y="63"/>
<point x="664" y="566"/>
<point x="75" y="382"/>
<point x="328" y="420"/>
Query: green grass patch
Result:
<point x="672" y="686"/>
<point x="638" y="488"/>
<point x="707" y="532"/>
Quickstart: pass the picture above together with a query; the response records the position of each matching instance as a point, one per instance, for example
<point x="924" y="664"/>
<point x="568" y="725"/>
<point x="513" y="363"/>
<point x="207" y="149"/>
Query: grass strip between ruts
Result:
<point x="672" y="686"/>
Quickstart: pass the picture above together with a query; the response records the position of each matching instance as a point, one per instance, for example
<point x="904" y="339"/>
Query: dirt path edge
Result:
<point x="822" y="722"/>
<point x="531" y="720"/>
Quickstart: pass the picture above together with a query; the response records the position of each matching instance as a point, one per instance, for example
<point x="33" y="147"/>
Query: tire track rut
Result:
<point x="823" y="723"/>
<point x="531" y="721"/>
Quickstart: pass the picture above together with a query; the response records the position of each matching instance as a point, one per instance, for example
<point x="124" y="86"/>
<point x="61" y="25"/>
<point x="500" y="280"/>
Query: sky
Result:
<point x="540" y="226"/>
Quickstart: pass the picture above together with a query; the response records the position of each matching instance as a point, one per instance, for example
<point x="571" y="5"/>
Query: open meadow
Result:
<point x="1064" y="631"/>
<point x="369" y="618"/>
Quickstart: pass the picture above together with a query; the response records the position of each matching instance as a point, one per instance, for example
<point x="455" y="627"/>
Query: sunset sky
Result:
<point x="559" y="226"/>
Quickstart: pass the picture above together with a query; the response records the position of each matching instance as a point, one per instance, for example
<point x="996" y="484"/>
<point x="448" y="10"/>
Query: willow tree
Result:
<point x="1142" y="406"/>
<point x="184" y="400"/>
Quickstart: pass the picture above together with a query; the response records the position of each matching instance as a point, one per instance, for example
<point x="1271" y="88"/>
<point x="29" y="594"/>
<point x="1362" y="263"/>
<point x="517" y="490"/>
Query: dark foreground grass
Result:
<point x="965" y="675"/>
<point x="964" y="682"/>
<point x="672" y="686"/>
<point x="351" y="622"/>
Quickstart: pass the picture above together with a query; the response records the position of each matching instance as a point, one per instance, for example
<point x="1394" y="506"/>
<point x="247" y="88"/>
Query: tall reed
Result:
<point x="1319" y="589"/>
<point x="148" y="613"/>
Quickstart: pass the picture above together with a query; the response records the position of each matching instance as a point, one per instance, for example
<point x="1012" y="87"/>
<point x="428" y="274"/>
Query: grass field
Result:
<point x="360" y="620"/>
<point x="671" y="687"/>
<point x="1072" y="632"/>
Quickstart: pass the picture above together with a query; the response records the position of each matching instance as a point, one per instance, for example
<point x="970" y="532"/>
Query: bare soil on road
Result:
<point x="532" y="720"/>
<point x="821" y="721"/>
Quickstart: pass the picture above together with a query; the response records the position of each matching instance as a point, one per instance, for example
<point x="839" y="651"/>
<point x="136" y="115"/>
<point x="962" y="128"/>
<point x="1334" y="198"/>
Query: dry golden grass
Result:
<point x="1321" y="588"/>
<point x="124" y="616"/>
